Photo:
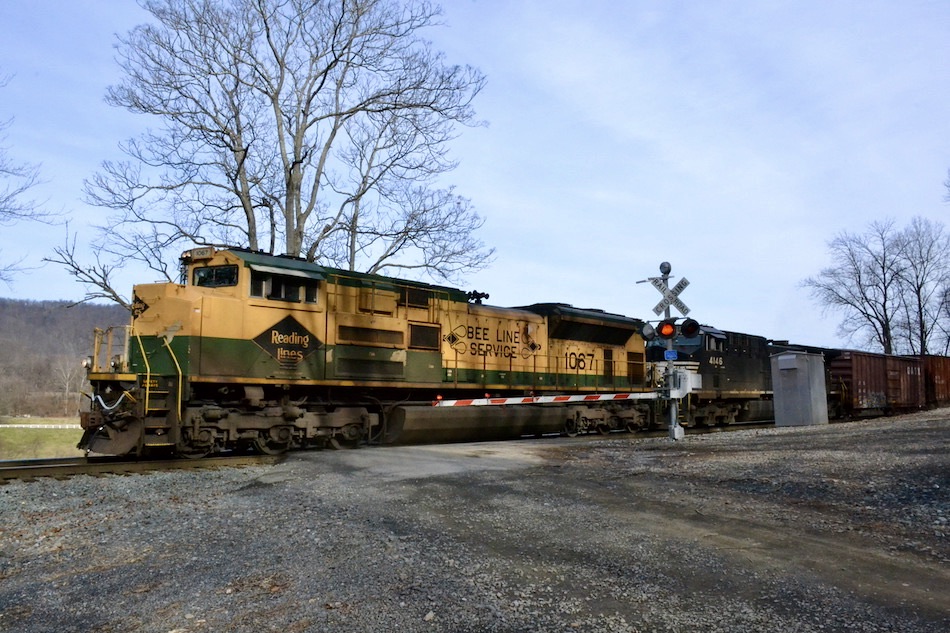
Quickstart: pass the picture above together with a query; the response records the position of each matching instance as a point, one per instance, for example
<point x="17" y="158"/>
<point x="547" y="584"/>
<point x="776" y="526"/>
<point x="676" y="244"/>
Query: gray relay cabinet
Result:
<point x="798" y="386"/>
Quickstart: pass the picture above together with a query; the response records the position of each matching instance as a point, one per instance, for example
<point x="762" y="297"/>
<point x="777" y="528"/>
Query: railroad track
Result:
<point x="61" y="468"/>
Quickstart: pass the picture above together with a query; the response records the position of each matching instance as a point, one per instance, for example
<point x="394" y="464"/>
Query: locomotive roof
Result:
<point x="619" y="325"/>
<point x="338" y="275"/>
<point x="596" y="326"/>
<point x="593" y="315"/>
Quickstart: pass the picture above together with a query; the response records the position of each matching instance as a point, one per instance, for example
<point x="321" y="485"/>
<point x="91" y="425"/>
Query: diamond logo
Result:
<point x="288" y="342"/>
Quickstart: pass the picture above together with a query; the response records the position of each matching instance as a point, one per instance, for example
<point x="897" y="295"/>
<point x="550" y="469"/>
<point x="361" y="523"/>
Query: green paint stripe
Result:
<point x="239" y="358"/>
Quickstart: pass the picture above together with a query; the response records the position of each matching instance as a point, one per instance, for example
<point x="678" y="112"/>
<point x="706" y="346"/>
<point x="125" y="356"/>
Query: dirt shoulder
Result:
<point x="854" y="514"/>
<point x="834" y="528"/>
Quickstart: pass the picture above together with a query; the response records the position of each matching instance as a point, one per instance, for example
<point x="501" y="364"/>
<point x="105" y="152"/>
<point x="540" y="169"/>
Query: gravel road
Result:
<point x="820" y="529"/>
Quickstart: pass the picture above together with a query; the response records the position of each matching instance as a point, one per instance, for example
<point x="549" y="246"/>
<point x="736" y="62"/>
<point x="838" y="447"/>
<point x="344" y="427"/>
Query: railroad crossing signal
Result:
<point x="668" y="330"/>
<point x="670" y="295"/>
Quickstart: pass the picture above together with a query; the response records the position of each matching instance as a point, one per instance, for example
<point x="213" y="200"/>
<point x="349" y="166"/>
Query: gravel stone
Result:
<point x="816" y="529"/>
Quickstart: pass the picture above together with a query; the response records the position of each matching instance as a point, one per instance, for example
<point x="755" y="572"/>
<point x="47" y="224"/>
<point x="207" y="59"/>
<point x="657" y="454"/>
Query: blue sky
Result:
<point x="732" y="139"/>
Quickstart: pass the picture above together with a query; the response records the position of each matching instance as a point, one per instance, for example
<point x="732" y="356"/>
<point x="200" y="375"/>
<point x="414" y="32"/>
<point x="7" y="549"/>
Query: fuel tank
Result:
<point x="432" y="425"/>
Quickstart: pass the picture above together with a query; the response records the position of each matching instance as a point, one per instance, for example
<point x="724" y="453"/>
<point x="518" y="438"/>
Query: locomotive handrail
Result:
<point x="148" y="372"/>
<point x="103" y="349"/>
<point x="96" y="347"/>
<point x="171" y="353"/>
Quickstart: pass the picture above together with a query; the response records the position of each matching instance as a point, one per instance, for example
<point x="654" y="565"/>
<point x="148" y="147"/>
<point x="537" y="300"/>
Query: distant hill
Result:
<point x="42" y="344"/>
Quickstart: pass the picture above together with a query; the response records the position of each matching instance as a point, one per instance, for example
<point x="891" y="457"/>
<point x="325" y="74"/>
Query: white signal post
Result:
<point x="670" y="298"/>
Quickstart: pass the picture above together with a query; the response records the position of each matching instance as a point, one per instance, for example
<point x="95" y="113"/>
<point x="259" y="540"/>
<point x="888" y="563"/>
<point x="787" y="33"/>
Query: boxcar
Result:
<point x="937" y="385"/>
<point x="868" y="383"/>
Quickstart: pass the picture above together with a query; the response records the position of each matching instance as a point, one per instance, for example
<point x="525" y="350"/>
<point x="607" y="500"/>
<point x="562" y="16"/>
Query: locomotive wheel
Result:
<point x="570" y="428"/>
<point x="192" y="448"/>
<point x="348" y="437"/>
<point x="269" y="447"/>
<point x="193" y="452"/>
<point x="603" y="428"/>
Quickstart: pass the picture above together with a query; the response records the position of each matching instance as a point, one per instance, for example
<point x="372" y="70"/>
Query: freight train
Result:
<point x="271" y="353"/>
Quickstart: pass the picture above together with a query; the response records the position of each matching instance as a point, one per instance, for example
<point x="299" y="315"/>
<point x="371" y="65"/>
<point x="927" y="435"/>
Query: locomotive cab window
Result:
<point x="284" y="289"/>
<point x="216" y="276"/>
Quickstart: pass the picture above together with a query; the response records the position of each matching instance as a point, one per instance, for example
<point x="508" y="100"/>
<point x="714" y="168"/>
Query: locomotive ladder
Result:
<point x="168" y="428"/>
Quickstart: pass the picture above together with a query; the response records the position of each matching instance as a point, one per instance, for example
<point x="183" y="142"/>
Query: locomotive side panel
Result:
<point x="749" y="373"/>
<point x="493" y="348"/>
<point x="369" y="335"/>
<point x="591" y="350"/>
<point x="339" y="328"/>
<point x="586" y="366"/>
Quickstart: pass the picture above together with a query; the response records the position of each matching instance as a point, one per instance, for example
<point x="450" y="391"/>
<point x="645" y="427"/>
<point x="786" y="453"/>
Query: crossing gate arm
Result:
<point x="683" y="383"/>
<point x="599" y="397"/>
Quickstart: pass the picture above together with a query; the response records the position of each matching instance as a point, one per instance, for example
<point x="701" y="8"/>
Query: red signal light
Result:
<point x="666" y="329"/>
<point x="689" y="328"/>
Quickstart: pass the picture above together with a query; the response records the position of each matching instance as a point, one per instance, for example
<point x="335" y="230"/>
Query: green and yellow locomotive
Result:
<point x="253" y="350"/>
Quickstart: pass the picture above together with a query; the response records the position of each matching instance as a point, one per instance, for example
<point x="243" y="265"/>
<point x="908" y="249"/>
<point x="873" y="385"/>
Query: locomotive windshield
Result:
<point x="216" y="276"/>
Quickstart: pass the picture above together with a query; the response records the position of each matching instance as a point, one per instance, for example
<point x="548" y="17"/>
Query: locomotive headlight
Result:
<point x="87" y="362"/>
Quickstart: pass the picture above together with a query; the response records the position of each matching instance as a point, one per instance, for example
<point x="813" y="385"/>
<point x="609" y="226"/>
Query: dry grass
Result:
<point x="21" y="443"/>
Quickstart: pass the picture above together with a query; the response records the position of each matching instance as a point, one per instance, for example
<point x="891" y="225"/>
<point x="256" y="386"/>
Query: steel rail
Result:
<point x="60" y="468"/>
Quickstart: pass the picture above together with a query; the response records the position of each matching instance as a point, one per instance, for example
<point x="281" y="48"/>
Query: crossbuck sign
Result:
<point x="670" y="295"/>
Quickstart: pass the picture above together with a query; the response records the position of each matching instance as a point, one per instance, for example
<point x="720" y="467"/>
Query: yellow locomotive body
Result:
<point x="274" y="352"/>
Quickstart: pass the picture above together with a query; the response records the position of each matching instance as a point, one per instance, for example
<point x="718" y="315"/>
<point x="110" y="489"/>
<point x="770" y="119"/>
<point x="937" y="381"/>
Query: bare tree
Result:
<point x="863" y="283"/>
<point x="69" y="375"/>
<point x="16" y="180"/>
<point x="314" y="127"/>
<point x="97" y="277"/>
<point x="940" y="341"/>
<point x="924" y="282"/>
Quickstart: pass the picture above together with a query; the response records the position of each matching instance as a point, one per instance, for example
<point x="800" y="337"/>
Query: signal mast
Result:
<point x="668" y="330"/>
